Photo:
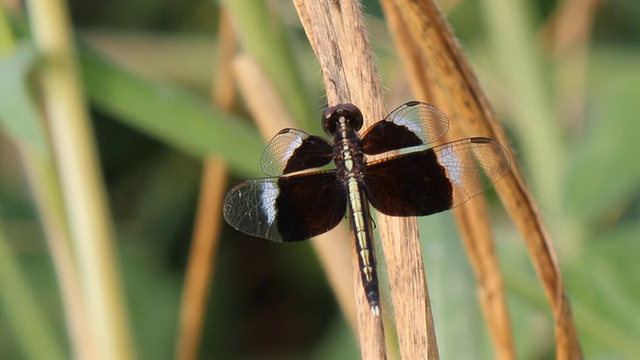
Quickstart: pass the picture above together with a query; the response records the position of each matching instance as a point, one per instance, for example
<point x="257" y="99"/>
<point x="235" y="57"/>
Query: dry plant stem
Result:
<point x="455" y="80"/>
<point x="472" y="218"/>
<point x="83" y="190"/>
<point x="473" y="224"/>
<point x="327" y="27"/>
<point x="205" y="241"/>
<point x="333" y="247"/>
<point x="337" y="35"/>
<point x="202" y="258"/>
<point x="223" y="91"/>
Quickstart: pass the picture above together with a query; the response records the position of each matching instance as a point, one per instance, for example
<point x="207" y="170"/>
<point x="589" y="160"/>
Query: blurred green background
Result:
<point x="147" y="69"/>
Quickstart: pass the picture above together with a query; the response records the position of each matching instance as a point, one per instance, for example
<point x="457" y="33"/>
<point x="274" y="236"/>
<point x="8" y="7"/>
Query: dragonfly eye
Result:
<point x="353" y="116"/>
<point x="330" y="120"/>
<point x="332" y="115"/>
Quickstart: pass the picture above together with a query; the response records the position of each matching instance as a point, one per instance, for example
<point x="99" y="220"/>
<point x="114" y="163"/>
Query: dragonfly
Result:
<point x="300" y="198"/>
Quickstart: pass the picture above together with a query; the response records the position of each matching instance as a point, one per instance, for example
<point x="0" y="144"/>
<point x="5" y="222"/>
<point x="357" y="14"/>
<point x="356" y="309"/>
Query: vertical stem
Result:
<point x="43" y="180"/>
<point x="46" y="190"/>
<point x="205" y="239"/>
<point x="83" y="191"/>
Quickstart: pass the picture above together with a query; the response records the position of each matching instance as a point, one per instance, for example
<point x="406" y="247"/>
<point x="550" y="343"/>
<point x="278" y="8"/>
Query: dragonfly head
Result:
<point x="332" y="116"/>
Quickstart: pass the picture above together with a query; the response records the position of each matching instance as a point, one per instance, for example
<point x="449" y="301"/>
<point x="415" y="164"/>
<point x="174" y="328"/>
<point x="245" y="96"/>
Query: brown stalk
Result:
<point x="442" y="74"/>
<point x="204" y="244"/>
<point x="472" y="218"/>
<point x="336" y="33"/>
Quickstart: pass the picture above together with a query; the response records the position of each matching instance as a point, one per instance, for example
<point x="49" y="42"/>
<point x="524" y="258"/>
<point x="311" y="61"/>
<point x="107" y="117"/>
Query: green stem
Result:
<point x="21" y="310"/>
